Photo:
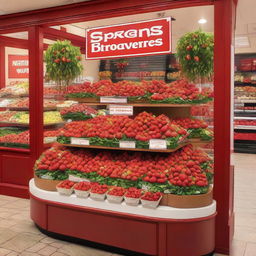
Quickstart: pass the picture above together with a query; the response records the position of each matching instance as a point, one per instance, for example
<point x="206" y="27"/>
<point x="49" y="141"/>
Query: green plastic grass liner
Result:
<point x="146" y="98"/>
<point x="81" y="95"/>
<point x="96" y="141"/>
<point x="4" y="132"/>
<point x="76" y="116"/>
<point x="53" y="175"/>
<point x="181" y="101"/>
<point x="201" y="133"/>
<point x="14" y="145"/>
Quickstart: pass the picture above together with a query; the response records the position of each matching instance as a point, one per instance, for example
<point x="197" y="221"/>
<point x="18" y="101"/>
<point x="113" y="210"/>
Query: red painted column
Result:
<point x="36" y="90"/>
<point x="223" y="192"/>
<point x="2" y="66"/>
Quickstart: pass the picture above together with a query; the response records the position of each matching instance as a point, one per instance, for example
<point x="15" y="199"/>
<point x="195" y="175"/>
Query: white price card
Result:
<point x="76" y="179"/>
<point x="121" y="110"/>
<point x="50" y="139"/>
<point x="4" y="103"/>
<point x="126" y="144"/>
<point x="79" y="141"/>
<point x="157" y="144"/>
<point x="113" y="99"/>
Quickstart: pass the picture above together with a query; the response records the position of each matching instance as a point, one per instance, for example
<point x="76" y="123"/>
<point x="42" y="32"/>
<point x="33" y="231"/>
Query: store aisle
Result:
<point x="19" y="236"/>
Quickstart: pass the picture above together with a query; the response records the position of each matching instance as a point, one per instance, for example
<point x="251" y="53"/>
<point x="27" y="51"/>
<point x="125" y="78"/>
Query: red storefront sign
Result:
<point x="131" y="39"/>
<point x="18" y="66"/>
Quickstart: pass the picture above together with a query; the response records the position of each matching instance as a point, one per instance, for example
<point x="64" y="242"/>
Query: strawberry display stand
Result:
<point x="164" y="231"/>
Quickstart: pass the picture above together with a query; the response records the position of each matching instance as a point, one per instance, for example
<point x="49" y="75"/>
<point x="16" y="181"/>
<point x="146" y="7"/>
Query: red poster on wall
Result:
<point x="18" y="66"/>
<point x="131" y="39"/>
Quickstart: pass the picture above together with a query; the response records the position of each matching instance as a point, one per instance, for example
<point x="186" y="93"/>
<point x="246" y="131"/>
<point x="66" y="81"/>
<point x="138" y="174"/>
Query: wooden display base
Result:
<point x="187" y="201"/>
<point x="49" y="185"/>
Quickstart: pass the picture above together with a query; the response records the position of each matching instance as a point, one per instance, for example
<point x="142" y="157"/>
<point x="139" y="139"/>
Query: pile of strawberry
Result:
<point x="245" y="122"/>
<point x="149" y="196"/>
<point x="179" y="91"/>
<point x="52" y="133"/>
<point x="81" y="107"/>
<point x="244" y="136"/>
<point x="15" y="140"/>
<point x="78" y="112"/>
<point x="183" y="168"/>
<point x="22" y="139"/>
<point x="143" y="127"/>
<point x="189" y="123"/>
<point x="66" y="184"/>
<point x="156" y="91"/>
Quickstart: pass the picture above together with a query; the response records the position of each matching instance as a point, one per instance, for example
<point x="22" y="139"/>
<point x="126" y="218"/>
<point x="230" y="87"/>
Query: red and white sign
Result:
<point x="18" y="66"/>
<point x="131" y="39"/>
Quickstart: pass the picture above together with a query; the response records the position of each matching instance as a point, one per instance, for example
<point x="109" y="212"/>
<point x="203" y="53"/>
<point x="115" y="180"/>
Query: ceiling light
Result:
<point x="242" y="41"/>
<point x="202" y="21"/>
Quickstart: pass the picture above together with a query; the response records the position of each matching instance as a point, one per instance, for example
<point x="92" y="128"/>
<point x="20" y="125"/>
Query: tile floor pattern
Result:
<point x="19" y="236"/>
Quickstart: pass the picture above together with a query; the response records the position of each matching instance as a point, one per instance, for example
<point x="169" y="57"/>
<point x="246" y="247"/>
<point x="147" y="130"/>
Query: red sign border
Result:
<point x="169" y="19"/>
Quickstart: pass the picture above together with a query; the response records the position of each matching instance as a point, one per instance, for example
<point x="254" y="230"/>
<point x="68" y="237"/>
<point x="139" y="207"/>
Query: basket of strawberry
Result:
<point x="132" y="196"/>
<point x="150" y="199"/>
<point x="65" y="187"/>
<point x="116" y="195"/>
<point x="98" y="192"/>
<point x="82" y="189"/>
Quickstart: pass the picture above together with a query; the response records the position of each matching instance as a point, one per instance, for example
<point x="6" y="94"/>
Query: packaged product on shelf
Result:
<point x="116" y="194"/>
<point x="65" y="188"/>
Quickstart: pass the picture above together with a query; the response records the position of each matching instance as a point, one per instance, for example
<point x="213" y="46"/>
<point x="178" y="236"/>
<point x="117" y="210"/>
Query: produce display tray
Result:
<point x="27" y="125"/>
<point x="129" y="149"/>
<point x="244" y="111"/>
<point x="245" y="101"/>
<point x="159" y="105"/>
<point x="245" y="117"/>
<point x="245" y="127"/>
<point x="27" y="109"/>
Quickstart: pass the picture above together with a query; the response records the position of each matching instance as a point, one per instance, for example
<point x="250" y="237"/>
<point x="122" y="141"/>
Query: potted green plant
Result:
<point x="195" y="55"/>
<point x="63" y="63"/>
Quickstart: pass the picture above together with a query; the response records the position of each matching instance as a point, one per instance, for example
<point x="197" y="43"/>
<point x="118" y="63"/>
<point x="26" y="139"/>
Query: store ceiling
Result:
<point x="246" y="26"/>
<point x="13" y="6"/>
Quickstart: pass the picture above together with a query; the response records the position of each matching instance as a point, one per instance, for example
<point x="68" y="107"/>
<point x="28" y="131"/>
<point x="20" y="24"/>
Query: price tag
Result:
<point x="50" y="139"/>
<point x="46" y="177"/>
<point x="120" y="110"/>
<point x="126" y="144"/>
<point x="76" y="179"/>
<point x="4" y="103"/>
<point x="114" y="99"/>
<point x="157" y="144"/>
<point x="79" y="141"/>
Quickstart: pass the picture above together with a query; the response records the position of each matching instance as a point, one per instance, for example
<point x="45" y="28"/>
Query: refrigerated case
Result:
<point x="245" y="103"/>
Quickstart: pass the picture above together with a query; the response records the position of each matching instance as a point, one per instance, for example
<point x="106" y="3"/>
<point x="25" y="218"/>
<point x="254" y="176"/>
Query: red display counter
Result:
<point x="163" y="232"/>
<point x="154" y="232"/>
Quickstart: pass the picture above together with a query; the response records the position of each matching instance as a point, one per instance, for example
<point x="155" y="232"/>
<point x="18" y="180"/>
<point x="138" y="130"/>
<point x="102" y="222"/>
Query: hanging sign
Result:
<point x="130" y="39"/>
<point x="18" y="66"/>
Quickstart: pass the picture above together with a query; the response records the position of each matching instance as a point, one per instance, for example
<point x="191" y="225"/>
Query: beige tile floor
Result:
<point x="19" y="236"/>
